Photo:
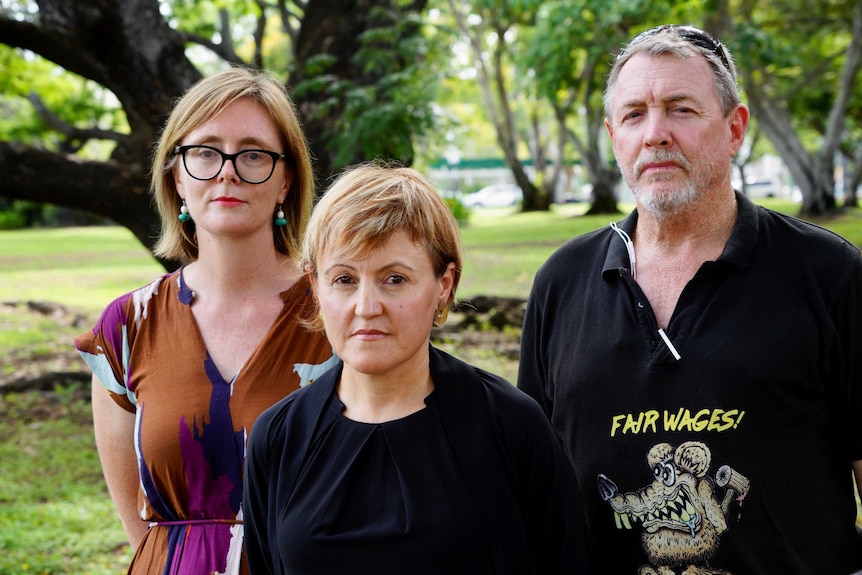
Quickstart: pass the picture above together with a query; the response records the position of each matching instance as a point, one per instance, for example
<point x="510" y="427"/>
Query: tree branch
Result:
<point x="846" y="84"/>
<point x="259" y="30"/>
<point x="289" y="20"/>
<point x="57" y="124"/>
<point x="113" y="189"/>
<point x="222" y="50"/>
<point x="58" y="46"/>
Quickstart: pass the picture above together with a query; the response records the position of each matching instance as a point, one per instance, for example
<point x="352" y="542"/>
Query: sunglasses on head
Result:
<point x="690" y="34"/>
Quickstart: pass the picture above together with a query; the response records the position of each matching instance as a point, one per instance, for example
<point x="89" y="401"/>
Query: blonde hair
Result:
<point x="200" y="104"/>
<point x="370" y="202"/>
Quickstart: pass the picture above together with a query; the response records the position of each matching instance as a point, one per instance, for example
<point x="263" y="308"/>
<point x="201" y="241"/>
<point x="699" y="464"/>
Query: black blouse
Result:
<point x="389" y="495"/>
<point x="474" y="483"/>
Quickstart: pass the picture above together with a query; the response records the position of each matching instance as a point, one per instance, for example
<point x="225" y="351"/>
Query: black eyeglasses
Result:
<point x="691" y="34"/>
<point x="205" y="163"/>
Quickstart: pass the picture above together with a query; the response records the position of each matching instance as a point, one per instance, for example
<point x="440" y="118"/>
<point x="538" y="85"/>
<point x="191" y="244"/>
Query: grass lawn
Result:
<point x="79" y="267"/>
<point x="55" y="513"/>
<point x="87" y="267"/>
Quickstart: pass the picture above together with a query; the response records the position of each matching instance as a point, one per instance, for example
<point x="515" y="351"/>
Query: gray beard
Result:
<point x="667" y="203"/>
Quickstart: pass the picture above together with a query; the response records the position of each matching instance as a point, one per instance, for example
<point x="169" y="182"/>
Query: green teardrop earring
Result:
<point x="184" y="213"/>
<point x="279" y="217"/>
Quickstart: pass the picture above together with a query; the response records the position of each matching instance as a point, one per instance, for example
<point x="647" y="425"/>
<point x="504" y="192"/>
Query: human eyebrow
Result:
<point x="681" y="98"/>
<point x="337" y="266"/>
<point x="246" y="143"/>
<point x="397" y="267"/>
<point x="254" y="142"/>
<point x="629" y="104"/>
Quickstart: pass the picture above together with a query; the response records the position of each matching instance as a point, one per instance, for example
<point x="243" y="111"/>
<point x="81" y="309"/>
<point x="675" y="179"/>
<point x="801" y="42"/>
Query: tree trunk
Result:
<point x="604" y="177"/>
<point x="325" y="50"/>
<point x="126" y="46"/>
<point x="775" y="124"/>
<point x="852" y="181"/>
<point x="492" y="83"/>
<point x="547" y="175"/>
<point x="812" y="172"/>
<point x="604" y="199"/>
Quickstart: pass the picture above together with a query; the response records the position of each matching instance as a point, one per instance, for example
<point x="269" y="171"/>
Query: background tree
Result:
<point x="800" y="69"/>
<point x="797" y="63"/>
<point x="126" y="47"/>
<point x="364" y="78"/>
<point x="126" y="60"/>
<point x="558" y="53"/>
<point x="569" y="54"/>
<point x="489" y="29"/>
<point x="364" y="74"/>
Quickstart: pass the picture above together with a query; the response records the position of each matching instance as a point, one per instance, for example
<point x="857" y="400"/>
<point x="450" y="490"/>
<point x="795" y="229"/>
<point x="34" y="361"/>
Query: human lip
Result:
<point x="228" y="201"/>
<point x="369" y="334"/>
<point x="659" y="166"/>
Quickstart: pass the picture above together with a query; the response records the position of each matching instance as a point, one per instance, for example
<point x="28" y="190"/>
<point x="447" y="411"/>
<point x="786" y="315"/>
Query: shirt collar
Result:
<point x="737" y="251"/>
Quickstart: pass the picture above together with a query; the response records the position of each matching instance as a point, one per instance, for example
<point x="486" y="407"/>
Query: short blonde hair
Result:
<point x="200" y="104"/>
<point x="370" y="202"/>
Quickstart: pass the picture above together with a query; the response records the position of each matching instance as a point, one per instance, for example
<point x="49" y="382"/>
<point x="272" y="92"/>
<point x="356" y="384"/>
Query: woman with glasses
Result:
<point x="183" y="366"/>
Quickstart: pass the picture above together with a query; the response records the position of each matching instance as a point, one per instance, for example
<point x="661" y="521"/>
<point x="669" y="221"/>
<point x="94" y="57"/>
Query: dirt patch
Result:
<point x="47" y="359"/>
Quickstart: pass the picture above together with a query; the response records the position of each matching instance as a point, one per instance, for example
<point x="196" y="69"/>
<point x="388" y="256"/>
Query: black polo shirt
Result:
<point x="733" y="452"/>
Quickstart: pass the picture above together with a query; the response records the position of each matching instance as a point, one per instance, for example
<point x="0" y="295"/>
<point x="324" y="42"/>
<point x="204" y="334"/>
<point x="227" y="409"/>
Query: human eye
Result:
<point x="395" y="279"/>
<point x="342" y="280"/>
<point x="631" y="115"/>
<point x="683" y="106"/>
<point x="253" y="156"/>
<point x="203" y="153"/>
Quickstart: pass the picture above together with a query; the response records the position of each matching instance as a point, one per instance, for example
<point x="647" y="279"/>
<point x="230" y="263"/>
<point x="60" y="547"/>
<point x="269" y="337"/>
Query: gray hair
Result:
<point x="682" y="42"/>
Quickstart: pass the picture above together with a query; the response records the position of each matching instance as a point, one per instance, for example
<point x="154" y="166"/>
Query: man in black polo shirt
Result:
<point x="699" y="359"/>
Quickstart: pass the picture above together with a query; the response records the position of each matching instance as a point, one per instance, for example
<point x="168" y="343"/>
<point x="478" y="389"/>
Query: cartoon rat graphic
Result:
<point x="681" y="517"/>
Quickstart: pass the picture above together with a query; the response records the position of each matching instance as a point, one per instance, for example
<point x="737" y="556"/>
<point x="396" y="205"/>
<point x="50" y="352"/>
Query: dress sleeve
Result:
<point x="105" y="350"/>
<point x="546" y="486"/>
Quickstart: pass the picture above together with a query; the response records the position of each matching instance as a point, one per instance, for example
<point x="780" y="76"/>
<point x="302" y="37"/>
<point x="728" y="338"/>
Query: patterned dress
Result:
<point x="192" y="424"/>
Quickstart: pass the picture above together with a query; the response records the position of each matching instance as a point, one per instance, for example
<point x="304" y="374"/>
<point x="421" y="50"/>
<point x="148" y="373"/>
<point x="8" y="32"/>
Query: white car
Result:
<point x="495" y="196"/>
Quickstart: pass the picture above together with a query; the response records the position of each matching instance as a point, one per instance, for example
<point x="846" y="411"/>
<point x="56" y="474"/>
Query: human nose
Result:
<point x="368" y="302"/>
<point x="228" y="173"/>
<point x="657" y="131"/>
